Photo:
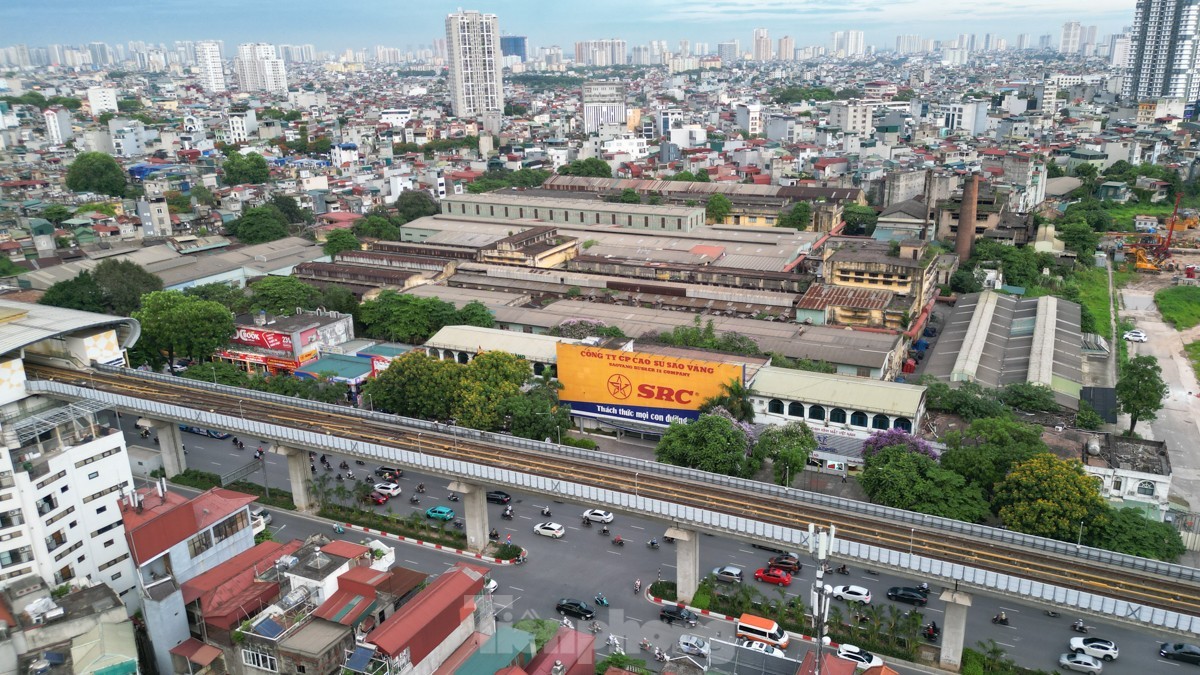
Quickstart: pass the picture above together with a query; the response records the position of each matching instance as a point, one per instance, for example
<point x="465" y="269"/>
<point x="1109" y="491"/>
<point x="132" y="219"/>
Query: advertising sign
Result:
<point x="647" y="388"/>
<point x="264" y="338"/>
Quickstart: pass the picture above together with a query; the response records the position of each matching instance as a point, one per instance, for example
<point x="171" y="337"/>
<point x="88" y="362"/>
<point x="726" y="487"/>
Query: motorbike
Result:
<point x="458" y="524"/>
<point x="453" y="497"/>
<point x="414" y="500"/>
<point x="546" y="511"/>
<point x="507" y="515"/>
<point x="930" y="633"/>
<point x="587" y="522"/>
<point x="494" y="535"/>
<point x="337" y="527"/>
<point x="618" y="541"/>
<point x="1000" y="619"/>
<point x="1078" y="627"/>
<point x="520" y="560"/>
<point x="595" y="627"/>
<point x="842" y="570"/>
<point x="360" y="462"/>
<point x="566" y="623"/>
<point x="645" y="645"/>
<point x="601" y="600"/>
<point x="343" y="465"/>
<point x="652" y="544"/>
<point x="421" y="488"/>
<point x="1052" y="614"/>
<point x="339" y="477"/>
<point x="637" y="586"/>
<point x="659" y="655"/>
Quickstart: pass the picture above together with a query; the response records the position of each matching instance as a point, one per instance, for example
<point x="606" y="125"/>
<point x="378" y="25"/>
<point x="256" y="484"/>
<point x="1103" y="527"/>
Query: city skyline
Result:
<point x="414" y="26"/>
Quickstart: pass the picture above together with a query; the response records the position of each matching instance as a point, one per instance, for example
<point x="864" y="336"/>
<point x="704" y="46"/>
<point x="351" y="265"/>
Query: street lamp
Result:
<point x="370" y="401"/>
<point x="1079" y="541"/>
<point x="635" y="482"/>
<point x="911" y="532"/>
<point x="241" y="412"/>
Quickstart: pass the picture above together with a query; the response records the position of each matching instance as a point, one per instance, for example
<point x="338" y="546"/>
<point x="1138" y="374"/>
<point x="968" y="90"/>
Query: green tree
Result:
<point x="340" y="240"/>
<point x="81" y="292"/>
<point x="259" y="225"/>
<point x="218" y="372"/>
<point x="233" y="299"/>
<point x="124" y="283"/>
<point x="536" y="416"/>
<point x="986" y="451"/>
<point x="710" y="443"/>
<point x="1128" y="531"/>
<point x="629" y="196"/>
<point x="489" y="379"/>
<point x="290" y="208"/>
<point x="96" y="172"/>
<point x="900" y="478"/>
<point x="1141" y="390"/>
<point x="1078" y="237"/>
<point x="799" y="217"/>
<point x="249" y="168"/>
<point x="860" y="220"/>
<point x="1053" y="170"/>
<point x="475" y="313"/>
<point x="321" y="388"/>
<point x="718" y="208"/>
<point x="282" y="295"/>
<point x="788" y="447"/>
<point x="1049" y="497"/>
<point x="130" y="105"/>
<point x="416" y="385"/>
<point x="339" y="299"/>
<point x="107" y="208"/>
<point x="377" y="227"/>
<point x="591" y="167"/>
<point x="174" y="324"/>
<point x="1029" y="397"/>
<point x="413" y="204"/>
<point x="56" y="213"/>
<point x="202" y="195"/>
<point x="735" y="397"/>
<point x="405" y="318"/>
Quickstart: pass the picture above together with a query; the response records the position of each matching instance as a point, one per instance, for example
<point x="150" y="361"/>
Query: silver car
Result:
<point x="728" y="573"/>
<point x="694" y="645"/>
<point x="1081" y="663"/>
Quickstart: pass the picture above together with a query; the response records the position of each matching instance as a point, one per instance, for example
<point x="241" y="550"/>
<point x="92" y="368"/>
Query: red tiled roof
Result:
<point x="713" y="252"/>
<point x="162" y="522"/>
<point x="425" y="621"/>
<point x="345" y="549"/>
<point x="230" y="592"/>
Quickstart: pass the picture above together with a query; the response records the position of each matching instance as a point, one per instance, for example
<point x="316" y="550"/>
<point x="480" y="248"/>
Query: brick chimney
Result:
<point x="965" y="237"/>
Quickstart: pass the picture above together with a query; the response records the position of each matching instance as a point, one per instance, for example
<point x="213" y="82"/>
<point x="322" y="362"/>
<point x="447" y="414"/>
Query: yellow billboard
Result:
<point x="648" y="388"/>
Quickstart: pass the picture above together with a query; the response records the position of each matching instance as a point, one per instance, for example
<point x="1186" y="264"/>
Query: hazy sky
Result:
<point x="338" y="24"/>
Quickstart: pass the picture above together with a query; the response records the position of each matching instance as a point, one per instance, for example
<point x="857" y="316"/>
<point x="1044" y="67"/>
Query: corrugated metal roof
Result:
<point x="823" y="296"/>
<point x="541" y="348"/>
<point x="839" y="391"/>
<point x="23" y="324"/>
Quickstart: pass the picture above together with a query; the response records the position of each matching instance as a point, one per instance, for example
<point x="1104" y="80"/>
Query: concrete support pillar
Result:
<point x="954" y="631"/>
<point x="474" y="507"/>
<point x="170" y="446"/>
<point x="687" y="562"/>
<point x="298" y="476"/>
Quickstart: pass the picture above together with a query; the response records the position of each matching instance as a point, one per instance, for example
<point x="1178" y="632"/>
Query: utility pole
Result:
<point x="820" y="543"/>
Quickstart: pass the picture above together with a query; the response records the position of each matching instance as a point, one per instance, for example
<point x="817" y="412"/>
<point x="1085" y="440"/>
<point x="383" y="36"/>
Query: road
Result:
<point x="556" y="567"/>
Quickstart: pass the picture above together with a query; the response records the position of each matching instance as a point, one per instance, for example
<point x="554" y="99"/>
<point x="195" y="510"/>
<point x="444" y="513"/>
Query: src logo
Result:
<point x="619" y="387"/>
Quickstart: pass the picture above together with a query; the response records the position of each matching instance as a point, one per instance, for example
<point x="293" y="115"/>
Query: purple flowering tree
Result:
<point x="884" y="439"/>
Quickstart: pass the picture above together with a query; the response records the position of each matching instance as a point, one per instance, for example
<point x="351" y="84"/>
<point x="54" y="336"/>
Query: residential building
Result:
<point x="475" y="77"/>
<point x="847" y="43"/>
<point x="761" y="45"/>
<point x="729" y="52"/>
<point x="102" y="100"/>
<point x="1164" y="48"/>
<point x="609" y="52"/>
<point x="749" y="117"/>
<point x="210" y="67"/>
<point x="515" y="45"/>
<point x="603" y="103"/>
<point x="787" y="48"/>
<point x="853" y="116"/>
<point x="88" y="628"/>
<point x="259" y="69"/>
<point x="243" y="125"/>
<point x="58" y="125"/>
<point x="1069" y="42"/>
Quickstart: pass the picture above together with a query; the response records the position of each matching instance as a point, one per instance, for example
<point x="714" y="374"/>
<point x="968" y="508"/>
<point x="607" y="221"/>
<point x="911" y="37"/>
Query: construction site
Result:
<point x="1156" y="247"/>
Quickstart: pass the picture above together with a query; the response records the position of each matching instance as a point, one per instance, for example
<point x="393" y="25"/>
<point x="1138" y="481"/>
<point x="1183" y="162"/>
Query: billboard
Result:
<point x="647" y="388"/>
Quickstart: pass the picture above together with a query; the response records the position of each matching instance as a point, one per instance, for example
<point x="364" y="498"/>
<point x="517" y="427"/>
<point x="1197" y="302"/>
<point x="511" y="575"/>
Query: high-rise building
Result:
<point x="259" y="69"/>
<point x="848" y="43"/>
<point x="58" y="125"/>
<point x="1044" y="41"/>
<point x="787" y="49"/>
<point x="603" y="103"/>
<point x="1072" y="34"/>
<point x="476" y="67"/>
<point x="1164" y="59"/>
<point x="515" y="45"/>
<point x="1087" y="40"/>
<point x="761" y="45"/>
<point x="603" y="52"/>
<point x="210" y="67"/>
<point x="1118" y="49"/>
<point x="102" y="100"/>
<point x="1023" y="41"/>
<point x="729" y="52"/>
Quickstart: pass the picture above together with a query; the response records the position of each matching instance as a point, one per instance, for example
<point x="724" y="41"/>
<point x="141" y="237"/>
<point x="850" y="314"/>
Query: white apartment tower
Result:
<point x="1164" y="51"/>
<point x="259" y="69"/>
<point x="787" y="48"/>
<point x="762" y="45"/>
<point x="102" y="100"/>
<point x="603" y="103"/>
<point x="210" y="68"/>
<point x="473" y="46"/>
<point x="1072" y="34"/>
<point x="58" y="125"/>
<point x="848" y="43"/>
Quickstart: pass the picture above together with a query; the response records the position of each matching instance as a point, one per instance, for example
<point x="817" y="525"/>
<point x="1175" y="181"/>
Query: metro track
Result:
<point x="1082" y="575"/>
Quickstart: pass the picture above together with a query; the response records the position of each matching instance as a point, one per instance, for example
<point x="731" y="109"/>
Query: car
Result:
<point x="598" y="516"/>
<point x="861" y="658"/>
<point x="694" y="645"/>
<point x="376" y="497"/>
<point x="785" y="562"/>
<point x="499" y="497"/>
<point x="211" y="433"/>
<point x="552" y="530"/>
<point x="259" y="513"/>
<point x="388" y="472"/>
<point x="852" y="594"/>
<point x="912" y="596"/>
<point x="728" y="573"/>
<point x="576" y="608"/>
<point x="1081" y="663"/>
<point x="756" y="646"/>
<point x="440" y="513"/>
<point x="1180" y="651"/>
<point x="773" y="575"/>
<point x="673" y="613"/>
<point x="490" y="586"/>
<point x="773" y="549"/>
<point x="1136" y="336"/>
<point x="389" y="489"/>
<point x="1100" y="648"/>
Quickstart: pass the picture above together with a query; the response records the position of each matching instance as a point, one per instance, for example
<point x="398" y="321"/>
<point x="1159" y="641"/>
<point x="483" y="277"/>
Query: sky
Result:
<point x="335" y="25"/>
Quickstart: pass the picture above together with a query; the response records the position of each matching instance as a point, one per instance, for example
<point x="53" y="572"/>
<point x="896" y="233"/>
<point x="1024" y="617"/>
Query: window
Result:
<point x="795" y="409"/>
<point x="1146" y="488"/>
<point x="879" y="422"/>
<point x="837" y="415"/>
<point x="858" y="419"/>
<point x="259" y="660"/>
<point x="816" y="412"/>
<point x="101" y="509"/>
<point x="903" y="423"/>
<point x="1118" y="483"/>
<point x="230" y="526"/>
<point x="94" y="474"/>
<point x="199" y="543"/>
<point x="775" y="406"/>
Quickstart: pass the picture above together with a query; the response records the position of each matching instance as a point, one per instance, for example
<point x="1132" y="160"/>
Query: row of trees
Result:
<point x="408" y="318"/>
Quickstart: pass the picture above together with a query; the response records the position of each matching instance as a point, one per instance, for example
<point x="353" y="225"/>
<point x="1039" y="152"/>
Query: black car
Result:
<point x="771" y="547"/>
<point x="576" y="608"/>
<point x="786" y="562"/>
<point x="498" y="497"/>
<point x="388" y="472"/>
<point x="671" y="614"/>
<point x="1180" y="651"/>
<point x="912" y="596"/>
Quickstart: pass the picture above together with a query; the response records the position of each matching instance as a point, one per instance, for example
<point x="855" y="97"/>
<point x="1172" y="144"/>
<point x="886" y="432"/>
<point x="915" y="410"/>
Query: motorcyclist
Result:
<point x="420" y="487"/>
<point x="618" y="540"/>
<point x="843" y="570"/>
<point x="654" y="543"/>
<point x="604" y="530"/>
<point x="1078" y="624"/>
<point x="494" y="534"/>
<point x="546" y="511"/>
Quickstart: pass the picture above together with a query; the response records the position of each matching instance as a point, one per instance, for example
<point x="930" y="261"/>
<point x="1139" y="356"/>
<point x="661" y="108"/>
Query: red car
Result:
<point x="377" y="497"/>
<point x="773" y="575"/>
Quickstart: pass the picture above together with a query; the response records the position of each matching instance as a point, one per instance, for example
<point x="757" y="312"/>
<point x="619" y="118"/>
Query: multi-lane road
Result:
<point x="582" y="564"/>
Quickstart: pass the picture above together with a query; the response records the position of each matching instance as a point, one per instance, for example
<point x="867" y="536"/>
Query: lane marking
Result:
<point x="517" y="589"/>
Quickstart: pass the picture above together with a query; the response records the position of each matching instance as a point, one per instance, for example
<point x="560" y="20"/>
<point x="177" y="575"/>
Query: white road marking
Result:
<point x="614" y="552"/>
<point x="517" y="589"/>
<point x="412" y="562"/>
<point x="635" y="527"/>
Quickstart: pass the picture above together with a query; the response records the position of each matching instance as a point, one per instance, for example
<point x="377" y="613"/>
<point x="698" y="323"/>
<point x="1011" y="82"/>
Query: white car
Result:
<point x="553" y="530"/>
<point x="490" y="586"/>
<point x="1136" y="336"/>
<point x="861" y="658"/>
<point x="1094" y="646"/>
<point x="756" y="646"/>
<point x="598" y="516"/>
<point x="1080" y="663"/>
<point x="694" y="645"/>
<point x="852" y="594"/>
<point x="389" y="489"/>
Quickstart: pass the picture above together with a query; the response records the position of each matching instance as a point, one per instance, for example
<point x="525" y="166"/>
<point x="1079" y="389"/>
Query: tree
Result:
<point x="413" y="204"/>
<point x="124" y="283"/>
<point x="56" y="213"/>
<point x="897" y="477"/>
<point x="475" y="313"/>
<point x="1053" y="170"/>
<point x="735" y="397"/>
<point x="591" y="167"/>
<point x="536" y="416"/>
<point x="629" y="196"/>
<point x="1049" y="497"/>
<point x="799" y="217"/>
<point x="340" y="240"/>
<point x="1029" y="397"/>
<point x="1078" y="237"/>
<point x="376" y="227"/>
<point x="718" y="208"/>
<point x="233" y="299"/>
<point x="416" y="385"/>
<point x="986" y="451"/>
<point x="282" y="295"/>
<point x="218" y="372"/>
<point x="1128" y="531"/>
<point x="860" y="220"/>
<point x="259" y="225"/>
<point x="321" y="388"/>
<point x="406" y="318"/>
<point x="246" y="168"/>
<point x="290" y="208"/>
<point x="710" y="443"/>
<point x="96" y="172"/>
<point x="1141" y="390"/>
<point x="489" y="379"/>
<point x="175" y="324"/>
<point x="788" y="447"/>
<point x="81" y="292"/>
<point x="897" y="438"/>
<point x="202" y="195"/>
<point x="338" y="299"/>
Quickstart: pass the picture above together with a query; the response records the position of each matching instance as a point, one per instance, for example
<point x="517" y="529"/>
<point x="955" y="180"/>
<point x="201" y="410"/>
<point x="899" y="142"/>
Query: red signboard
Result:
<point x="264" y="338"/>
